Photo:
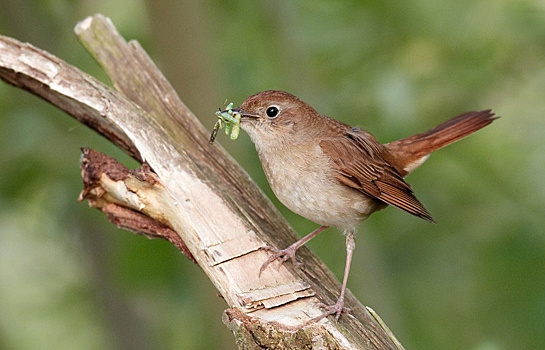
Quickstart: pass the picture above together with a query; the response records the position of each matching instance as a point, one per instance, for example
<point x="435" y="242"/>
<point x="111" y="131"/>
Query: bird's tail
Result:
<point x="409" y="153"/>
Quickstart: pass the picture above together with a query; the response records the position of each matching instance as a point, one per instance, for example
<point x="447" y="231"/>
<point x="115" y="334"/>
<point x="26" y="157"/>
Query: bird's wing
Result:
<point x="359" y="163"/>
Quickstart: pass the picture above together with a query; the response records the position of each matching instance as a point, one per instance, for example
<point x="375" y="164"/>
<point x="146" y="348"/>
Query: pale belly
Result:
<point x="308" y="190"/>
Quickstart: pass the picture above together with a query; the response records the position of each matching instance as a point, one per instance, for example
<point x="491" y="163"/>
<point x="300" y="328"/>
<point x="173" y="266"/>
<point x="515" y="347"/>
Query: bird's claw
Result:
<point x="336" y="309"/>
<point x="282" y="254"/>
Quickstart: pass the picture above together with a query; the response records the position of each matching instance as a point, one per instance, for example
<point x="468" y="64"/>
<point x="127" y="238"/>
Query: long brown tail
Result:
<point x="409" y="153"/>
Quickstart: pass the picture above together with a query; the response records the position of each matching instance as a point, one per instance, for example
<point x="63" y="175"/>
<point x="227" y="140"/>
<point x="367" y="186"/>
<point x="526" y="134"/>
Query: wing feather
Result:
<point x="369" y="172"/>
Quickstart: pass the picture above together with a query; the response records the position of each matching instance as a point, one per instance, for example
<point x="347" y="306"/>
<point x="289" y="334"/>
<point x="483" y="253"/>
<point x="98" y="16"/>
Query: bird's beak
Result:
<point x="244" y="114"/>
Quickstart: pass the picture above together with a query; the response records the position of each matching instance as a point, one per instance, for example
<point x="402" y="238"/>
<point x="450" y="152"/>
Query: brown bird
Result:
<point x="337" y="175"/>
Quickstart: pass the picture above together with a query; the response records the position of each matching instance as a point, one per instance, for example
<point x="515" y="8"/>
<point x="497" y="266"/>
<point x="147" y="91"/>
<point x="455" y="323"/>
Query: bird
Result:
<point x="336" y="175"/>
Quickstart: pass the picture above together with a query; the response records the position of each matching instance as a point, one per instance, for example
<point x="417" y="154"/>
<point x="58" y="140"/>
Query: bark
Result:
<point x="190" y="192"/>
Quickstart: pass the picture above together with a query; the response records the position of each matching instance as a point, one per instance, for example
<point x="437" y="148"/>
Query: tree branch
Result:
<point x="203" y="196"/>
<point x="116" y="191"/>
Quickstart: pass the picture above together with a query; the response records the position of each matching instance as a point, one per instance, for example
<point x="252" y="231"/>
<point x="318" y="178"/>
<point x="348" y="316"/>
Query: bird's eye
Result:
<point x="272" y="111"/>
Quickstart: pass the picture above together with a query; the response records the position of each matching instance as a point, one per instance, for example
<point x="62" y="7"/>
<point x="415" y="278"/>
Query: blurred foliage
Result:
<point x="476" y="280"/>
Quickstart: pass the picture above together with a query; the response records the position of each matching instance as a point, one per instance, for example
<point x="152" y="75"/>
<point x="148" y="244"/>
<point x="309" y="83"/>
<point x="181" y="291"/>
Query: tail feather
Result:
<point x="414" y="150"/>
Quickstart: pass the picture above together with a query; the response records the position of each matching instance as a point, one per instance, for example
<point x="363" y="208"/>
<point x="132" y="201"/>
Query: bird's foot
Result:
<point x="289" y="252"/>
<point x="282" y="254"/>
<point x="336" y="309"/>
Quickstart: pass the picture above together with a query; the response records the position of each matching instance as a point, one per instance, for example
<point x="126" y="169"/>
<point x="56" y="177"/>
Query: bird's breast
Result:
<point x="304" y="181"/>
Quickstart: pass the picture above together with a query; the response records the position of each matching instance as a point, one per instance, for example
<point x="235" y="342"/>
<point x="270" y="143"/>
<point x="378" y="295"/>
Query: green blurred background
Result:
<point x="71" y="280"/>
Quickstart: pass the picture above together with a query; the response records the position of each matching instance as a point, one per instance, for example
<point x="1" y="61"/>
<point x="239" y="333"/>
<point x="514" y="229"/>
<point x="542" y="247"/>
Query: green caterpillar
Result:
<point x="229" y="120"/>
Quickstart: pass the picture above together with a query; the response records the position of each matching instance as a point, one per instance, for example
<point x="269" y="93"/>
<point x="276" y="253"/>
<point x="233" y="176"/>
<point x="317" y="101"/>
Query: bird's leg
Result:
<point x="338" y="308"/>
<point x="289" y="252"/>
